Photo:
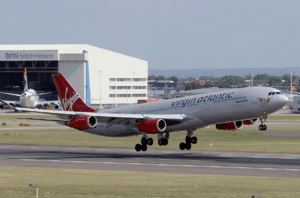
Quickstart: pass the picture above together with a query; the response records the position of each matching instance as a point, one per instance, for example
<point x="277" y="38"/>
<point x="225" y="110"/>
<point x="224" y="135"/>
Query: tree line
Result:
<point x="231" y="81"/>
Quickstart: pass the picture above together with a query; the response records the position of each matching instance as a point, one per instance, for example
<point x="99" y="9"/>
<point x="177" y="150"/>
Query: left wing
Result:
<point x="48" y="102"/>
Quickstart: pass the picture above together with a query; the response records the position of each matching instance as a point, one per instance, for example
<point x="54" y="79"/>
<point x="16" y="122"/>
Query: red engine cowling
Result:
<point x="83" y="122"/>
<point x="153" y="126"/>
<point x="251" y="121"/>
<point x="230" y="126"/>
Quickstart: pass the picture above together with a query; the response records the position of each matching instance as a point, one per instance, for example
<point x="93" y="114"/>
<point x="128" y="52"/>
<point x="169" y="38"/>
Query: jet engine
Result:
<point x="83" y="122"/>
<point x="153" y="126"/>
<point x="251" y="121"/>
<point x="230" y="126"/>
<point x="56" y="106"/>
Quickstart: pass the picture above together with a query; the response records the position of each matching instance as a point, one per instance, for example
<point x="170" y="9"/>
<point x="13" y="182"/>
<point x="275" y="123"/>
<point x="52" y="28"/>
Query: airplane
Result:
<point x="28" y="99"/>
<point x="227" y="110"/>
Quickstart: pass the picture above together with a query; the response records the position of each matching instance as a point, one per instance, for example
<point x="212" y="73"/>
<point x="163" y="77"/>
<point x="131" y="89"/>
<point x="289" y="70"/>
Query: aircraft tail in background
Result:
<point x="25" y="79"/>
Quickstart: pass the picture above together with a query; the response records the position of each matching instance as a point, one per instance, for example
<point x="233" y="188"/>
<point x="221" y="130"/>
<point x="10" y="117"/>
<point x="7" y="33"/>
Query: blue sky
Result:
<point x="168" y="34"/>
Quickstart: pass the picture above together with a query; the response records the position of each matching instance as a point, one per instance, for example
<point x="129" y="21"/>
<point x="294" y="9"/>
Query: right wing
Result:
<point x="10" y="104"/>
<point x="111" y="118"/>
<point x="11" y="94"/>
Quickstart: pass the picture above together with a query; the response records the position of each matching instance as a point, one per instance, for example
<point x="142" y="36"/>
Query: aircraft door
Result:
<point x="253" y="103"/>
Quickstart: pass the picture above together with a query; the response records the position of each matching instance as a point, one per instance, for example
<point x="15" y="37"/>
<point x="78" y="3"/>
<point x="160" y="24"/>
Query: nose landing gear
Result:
<point x="144" y="142"/>
<point x="262" y="126"/>
<point x="189" y="140"/>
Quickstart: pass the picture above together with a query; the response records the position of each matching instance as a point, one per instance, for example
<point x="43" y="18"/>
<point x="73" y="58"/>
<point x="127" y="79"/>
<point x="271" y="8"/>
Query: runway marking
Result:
<point x="167" y="165"/>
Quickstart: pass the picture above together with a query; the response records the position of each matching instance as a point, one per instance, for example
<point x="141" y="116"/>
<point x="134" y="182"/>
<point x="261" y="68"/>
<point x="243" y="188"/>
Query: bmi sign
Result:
<point x="30" y="55"/>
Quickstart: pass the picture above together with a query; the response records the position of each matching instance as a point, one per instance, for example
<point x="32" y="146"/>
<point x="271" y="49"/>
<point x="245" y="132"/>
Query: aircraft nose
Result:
<point x="284" y="99"/>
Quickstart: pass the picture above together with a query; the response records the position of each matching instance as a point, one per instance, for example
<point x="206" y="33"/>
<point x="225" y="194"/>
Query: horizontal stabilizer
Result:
<point x="41" y="94"/>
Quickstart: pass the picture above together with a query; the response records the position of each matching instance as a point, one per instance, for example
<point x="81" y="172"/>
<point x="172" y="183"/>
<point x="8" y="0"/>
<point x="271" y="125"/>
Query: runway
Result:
<point x="164" y="161"/>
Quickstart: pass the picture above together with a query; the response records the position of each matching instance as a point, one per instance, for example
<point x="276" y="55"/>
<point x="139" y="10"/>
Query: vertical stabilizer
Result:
<point x="25" y="79"/>
<point x="70" y="99"/>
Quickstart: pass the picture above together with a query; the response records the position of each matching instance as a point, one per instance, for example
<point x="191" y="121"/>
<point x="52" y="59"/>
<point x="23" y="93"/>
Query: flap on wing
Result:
<point x="55" y="120"/>
<point x="54" y="112"/>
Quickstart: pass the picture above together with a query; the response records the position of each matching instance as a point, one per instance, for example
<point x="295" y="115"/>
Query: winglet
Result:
<point x="70" y="99"/>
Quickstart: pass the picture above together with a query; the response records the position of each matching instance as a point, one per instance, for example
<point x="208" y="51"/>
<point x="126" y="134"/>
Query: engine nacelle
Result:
<point x="153" y="126"/>
<point x="83" y="122"/>
<point x="56" y="106"/>
<point x="251" y="121"/>
<point x="230" y="126"/>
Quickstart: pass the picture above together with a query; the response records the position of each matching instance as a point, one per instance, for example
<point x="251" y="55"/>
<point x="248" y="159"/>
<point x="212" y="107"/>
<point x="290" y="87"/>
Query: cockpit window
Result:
<point x="273" y="93"/>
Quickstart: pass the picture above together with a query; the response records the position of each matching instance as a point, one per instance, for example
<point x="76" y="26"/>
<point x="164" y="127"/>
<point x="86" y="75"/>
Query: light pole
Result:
<point x="252" y="78"/>
<point x="291" y="85"/>
<point x="100" y="72"/>
<point x="154" y="93"/>
<point x="37" y="189"/>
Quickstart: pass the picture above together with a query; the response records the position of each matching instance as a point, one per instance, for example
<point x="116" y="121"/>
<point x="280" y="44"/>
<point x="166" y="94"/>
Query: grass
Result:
<point x="284" y="118"/>
<point x="73" y="183"/>
<point x="16" y="117"/>
<point x="222" y="141"/>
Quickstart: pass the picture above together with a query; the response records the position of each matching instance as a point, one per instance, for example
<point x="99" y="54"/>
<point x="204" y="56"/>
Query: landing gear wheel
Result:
<point x="194" y="140"/>
<point x="138" y="147"/>
<point x="160" y="142"/>
<point x="16" y="110"/>
<point x="188" y="146"/>
<point x="144" y="141"/>
<point x="165" y="141"/>
<point x="150" y="141"/>
<point x="188" y="139"/>
<point x="144" y="147"/>
<point x="182" y="146"/>
<point x="261" y="127"/>
<point x="264" y="127"/>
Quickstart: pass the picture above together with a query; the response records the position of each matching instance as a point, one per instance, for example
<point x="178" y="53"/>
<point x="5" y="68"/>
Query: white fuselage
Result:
<point x="201" y="110"/>
<point x="29" y="99"/>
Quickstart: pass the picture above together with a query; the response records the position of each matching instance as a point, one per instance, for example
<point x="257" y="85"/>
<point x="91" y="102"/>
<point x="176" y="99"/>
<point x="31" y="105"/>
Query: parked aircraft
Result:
<point x="228" y="110"/>
<point x="28" y="99"/>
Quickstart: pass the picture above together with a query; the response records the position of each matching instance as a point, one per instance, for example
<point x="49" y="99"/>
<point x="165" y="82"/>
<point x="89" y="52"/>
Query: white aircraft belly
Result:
<point x="27" y="102"/>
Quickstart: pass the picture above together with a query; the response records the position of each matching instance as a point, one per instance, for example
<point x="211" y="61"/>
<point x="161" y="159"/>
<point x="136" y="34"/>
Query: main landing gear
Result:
<point x="189" y="140"/>
<point x="144" y="142"/>
<point x="163" y="140"/>
<point x="262" y="126"/>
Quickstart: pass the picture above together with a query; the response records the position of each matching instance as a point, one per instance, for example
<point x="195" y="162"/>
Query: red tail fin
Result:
<point x="70" y="99"/>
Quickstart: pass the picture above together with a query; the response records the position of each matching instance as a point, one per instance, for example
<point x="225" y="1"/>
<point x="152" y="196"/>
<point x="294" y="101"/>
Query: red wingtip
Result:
<point x="70" y="99"/>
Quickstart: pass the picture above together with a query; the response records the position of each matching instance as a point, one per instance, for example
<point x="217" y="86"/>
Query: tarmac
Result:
<point x="171" y="161"/>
